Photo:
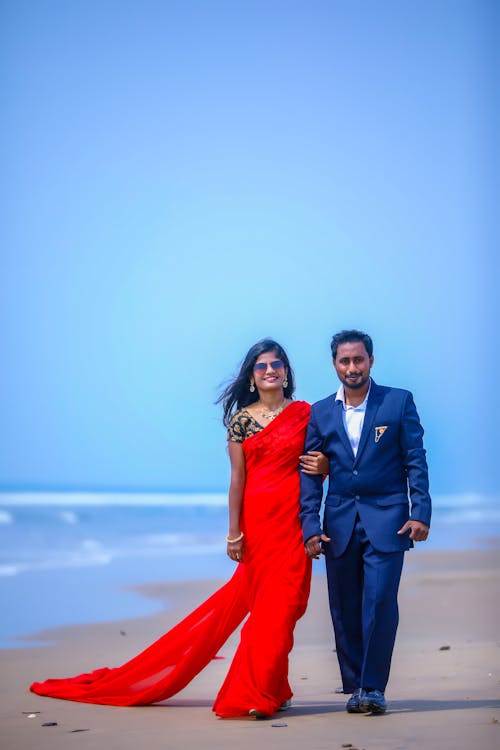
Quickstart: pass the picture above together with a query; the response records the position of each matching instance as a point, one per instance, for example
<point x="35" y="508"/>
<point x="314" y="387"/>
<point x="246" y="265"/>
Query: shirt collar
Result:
<point x="341" y="397"/>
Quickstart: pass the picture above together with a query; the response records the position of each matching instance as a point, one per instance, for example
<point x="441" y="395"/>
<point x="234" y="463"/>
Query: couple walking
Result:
<point x="368" y="440"/>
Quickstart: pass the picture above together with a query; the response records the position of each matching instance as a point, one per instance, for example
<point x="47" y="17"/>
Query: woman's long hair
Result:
<point x="237" y="394"/>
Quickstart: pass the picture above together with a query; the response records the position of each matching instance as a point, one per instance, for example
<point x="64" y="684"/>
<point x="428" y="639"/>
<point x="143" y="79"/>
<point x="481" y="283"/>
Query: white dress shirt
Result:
<point x="353" y="417"/>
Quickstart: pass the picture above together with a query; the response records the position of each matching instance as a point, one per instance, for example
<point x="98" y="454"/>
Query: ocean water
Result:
<point x="70" y="558"/>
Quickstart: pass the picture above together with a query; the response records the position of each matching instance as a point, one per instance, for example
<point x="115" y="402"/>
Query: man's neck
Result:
<point x="355" y="396"/>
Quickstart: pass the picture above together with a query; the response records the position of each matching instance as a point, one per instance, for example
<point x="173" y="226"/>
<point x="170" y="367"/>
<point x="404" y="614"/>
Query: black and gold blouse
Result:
<point x="241" y="426"/>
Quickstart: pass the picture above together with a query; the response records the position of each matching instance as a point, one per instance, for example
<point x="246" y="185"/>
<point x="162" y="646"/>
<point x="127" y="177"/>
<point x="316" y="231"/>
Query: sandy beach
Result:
<point x="444" y="690"/>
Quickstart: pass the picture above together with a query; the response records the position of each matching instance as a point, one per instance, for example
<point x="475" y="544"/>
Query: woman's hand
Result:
<point x="314" y="462"/>
<point x="235" y="550"/>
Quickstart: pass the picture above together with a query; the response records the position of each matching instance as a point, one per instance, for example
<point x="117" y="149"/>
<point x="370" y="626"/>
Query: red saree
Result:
<point x="272" y="584"/>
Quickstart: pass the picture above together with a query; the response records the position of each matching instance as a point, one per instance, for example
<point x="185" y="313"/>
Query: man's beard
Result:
<point x="357" y="385"/>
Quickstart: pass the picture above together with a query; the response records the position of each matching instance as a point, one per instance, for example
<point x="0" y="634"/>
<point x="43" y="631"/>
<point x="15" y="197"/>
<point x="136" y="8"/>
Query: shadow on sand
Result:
<point x="314" y="709"/>
<point x="398" y="707"/>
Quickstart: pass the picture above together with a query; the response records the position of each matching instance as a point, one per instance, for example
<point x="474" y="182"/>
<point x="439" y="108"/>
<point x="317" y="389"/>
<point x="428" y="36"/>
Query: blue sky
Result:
<point x="181" y="179"/>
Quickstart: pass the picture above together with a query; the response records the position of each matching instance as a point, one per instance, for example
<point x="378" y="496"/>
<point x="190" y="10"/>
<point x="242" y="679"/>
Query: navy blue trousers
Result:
<point x="363" y="590"/>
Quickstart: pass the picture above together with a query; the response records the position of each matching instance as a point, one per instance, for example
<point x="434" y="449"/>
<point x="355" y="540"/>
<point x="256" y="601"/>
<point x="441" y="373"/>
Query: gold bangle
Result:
<point x="236" y="539"/>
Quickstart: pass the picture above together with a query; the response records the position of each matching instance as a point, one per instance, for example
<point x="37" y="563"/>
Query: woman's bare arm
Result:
<point x="235" y="550"/>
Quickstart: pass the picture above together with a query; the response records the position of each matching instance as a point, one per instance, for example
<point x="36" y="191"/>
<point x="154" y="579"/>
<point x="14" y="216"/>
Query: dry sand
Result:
<point x="437" y="698"/>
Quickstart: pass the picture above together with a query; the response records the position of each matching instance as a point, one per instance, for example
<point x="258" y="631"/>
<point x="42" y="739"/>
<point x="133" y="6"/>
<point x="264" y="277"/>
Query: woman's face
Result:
<point x="269" y="372"/>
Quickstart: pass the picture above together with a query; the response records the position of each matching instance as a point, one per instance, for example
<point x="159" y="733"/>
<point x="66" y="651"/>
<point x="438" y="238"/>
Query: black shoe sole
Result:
<point x="370" y="708"/>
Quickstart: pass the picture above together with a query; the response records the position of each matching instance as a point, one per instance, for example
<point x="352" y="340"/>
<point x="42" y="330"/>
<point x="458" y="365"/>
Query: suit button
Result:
<point x="355" y="472"/>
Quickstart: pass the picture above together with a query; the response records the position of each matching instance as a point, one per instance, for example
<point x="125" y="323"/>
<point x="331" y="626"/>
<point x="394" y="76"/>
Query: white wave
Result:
<point x="463" y="500"/>
<point x="90" y="552"/>
<point x="72" y="561"/>
<point x="204" y="549"/>
<point x="186" y="499"/>
<point x="84" y="560"/>
<point x="186" y="546"/>
<point x="90" y="545"/>
<point x="176" y="499"/>
<point x="471" y="515"/>
<point x="9" y="570"/>
<point x="5" y="517"/>
<point x="69" y="517"/>
<point x="163" y="540"/>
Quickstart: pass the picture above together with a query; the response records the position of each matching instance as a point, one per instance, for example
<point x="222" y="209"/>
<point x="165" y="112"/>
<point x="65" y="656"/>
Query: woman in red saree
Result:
<point x="271" y="583"/>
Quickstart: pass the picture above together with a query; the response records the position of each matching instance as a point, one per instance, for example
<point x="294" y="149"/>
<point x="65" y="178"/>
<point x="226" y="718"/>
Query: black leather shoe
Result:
<point x="353" y="704"/>
<point x="373" y="701"/>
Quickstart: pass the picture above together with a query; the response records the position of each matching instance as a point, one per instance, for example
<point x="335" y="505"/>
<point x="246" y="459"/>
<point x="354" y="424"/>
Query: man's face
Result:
<point x="353" y="365"/>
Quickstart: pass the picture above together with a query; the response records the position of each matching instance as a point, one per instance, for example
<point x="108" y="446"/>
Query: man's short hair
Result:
<point x="351" y="337"/>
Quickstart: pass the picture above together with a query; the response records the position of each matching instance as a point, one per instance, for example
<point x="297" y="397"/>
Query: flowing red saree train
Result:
<point x="272" y="584"/>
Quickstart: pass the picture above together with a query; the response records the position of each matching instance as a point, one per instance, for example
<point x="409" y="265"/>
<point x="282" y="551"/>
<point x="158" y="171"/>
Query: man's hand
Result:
<point x="419" y="531"/>
<point x="314" y="462"/>
<point x="313" y="545"/>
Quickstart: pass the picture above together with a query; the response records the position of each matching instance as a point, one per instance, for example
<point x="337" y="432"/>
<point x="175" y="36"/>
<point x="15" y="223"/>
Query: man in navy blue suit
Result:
<point x="377" y="505"/>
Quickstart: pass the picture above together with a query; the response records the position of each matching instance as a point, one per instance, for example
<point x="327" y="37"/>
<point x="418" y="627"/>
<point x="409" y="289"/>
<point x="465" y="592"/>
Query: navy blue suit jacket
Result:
<point x="388" y="475"/>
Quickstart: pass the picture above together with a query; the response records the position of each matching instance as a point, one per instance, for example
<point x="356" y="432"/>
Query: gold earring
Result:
<point x="285" y="383"/>
<point x="252" y="387"/>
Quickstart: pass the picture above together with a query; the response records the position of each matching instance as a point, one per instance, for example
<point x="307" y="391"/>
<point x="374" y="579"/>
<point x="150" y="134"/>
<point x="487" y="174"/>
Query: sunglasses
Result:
<point x="276" y="364"/>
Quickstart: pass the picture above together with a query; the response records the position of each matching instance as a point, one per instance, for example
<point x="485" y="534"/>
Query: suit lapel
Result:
<point x="371" y="409"/>
<point x="339" y="425"/>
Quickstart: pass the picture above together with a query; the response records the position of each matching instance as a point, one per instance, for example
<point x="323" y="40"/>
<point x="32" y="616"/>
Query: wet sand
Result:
<point x="438" y="697"/>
